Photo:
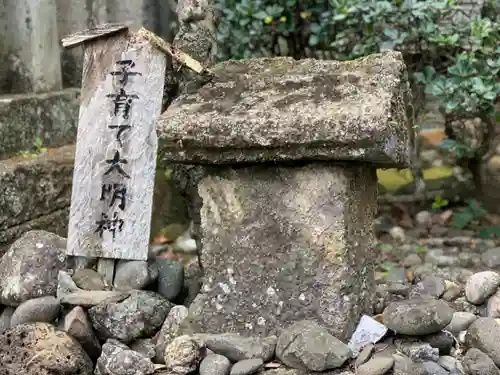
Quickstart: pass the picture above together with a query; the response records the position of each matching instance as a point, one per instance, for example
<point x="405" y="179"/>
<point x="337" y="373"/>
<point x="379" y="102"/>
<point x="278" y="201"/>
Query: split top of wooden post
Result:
<point x="280" y="109"/>
<point x="85" y="36"/>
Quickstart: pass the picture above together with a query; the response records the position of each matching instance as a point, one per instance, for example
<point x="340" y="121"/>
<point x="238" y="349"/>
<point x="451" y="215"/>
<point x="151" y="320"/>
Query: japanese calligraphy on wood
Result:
<point x="115" y="160"/>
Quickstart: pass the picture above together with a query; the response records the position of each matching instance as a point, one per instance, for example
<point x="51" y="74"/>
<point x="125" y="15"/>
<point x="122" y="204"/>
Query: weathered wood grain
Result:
<point x="80" y="37"/>
<point x="106" y="267"/>
<point x="176" y="53"/>
<point x="97" y="146"/>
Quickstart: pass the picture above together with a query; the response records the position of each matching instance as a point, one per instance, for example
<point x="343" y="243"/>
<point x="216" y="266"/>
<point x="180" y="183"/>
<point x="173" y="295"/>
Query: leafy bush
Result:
<point x="457" y="62"/>
<point x="475" y="212"/>
<point x="470" y="85"/>
<point x="439" y="203"/>
<point x="472" y="211"/>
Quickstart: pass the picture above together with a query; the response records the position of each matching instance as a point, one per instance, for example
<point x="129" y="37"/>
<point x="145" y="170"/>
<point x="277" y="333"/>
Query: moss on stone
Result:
<point x="280" y="109"/>
<point x="51" y="116"/>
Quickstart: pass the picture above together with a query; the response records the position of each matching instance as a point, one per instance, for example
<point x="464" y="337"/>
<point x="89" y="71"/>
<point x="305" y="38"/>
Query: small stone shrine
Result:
<point x="291" y="148"/>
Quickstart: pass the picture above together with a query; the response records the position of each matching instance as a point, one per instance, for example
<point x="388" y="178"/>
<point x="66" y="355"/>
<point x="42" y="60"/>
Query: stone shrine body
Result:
<point x="290" y="150"/>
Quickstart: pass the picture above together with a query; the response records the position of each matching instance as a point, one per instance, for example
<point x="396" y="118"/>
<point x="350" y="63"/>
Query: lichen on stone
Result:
<point x="281" y="109"/>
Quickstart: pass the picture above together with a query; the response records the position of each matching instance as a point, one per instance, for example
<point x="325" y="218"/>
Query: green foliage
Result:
<point x="419" y="249"/>
<point x="457" y="148"/>
<point x="38" y="143"/>
<point x="386" y="267"/>
<point x="439" y="203"/>
<point x="384" y="247"/>
<point x="39" y="149"/>
<point x="490" y="232"/>
<point x="470" y="85"/>
<point x="458" y="63"/>
<point x="168" y="173"/>
<point x="472" y="212"/>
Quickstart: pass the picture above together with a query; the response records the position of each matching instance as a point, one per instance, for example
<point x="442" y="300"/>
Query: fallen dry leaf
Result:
<point x="432" y="136"/>
<point x="379" y="276"/>
<point x="160" y="239"/>
<point x="446" y="216"/>
<point x="52" y="151"/>
<point x="409" y="276"/>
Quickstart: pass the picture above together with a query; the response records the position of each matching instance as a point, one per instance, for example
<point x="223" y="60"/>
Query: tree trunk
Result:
<point x="481" y="136"/>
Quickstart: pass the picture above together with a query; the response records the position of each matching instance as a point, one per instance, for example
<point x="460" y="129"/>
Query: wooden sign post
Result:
<point x="115" y="161"/>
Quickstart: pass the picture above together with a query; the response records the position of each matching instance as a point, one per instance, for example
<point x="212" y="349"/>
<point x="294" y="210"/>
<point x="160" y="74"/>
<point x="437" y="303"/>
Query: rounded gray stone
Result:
<point x="109" y="349"/>
<point x="308" y="346"/>
<point x="481" y="285"/>
<point x="443" y="341"/>
<point x="77" y="324"/>
<point x="215" y="364"/>
<point x="29" y="269"/>
<point x="170" y="278"/>
<point x="247" y="366"/>
<point x="364" y="355"/>
<point x="476" y="362"/>
<point x="460" y="321"/>
<point x="433" y="368"/>
<point x="412" y="260"/>
<point x="183" y="355"/>
<point x="396" y="275"/>
<point x="237" y="347"/>
<point x="404" y="366"/>
<point x="128" y="362"/>
<point x="192" y="281"/>
<point x="139" y="315"/>
<point x="169" y="330"/>
<point x="417" y="317"/>
<point x="491" y="257"/>
<point x="484" y="334"/>
<point x="146" y="347"/>
<point x="439" y="258"/>
<point x="461" y="304"/>
<point x="417" y="351"/>
<point x="493" y="305"/>
<point x="88" y="279"/>
<point x="424" y="218"/>
<point x="397" y="233"/>
<point x="430" y="286"/>
<point x="453" y="291"/>
<point x="50" y="350"/>
<point x="376" y="366"/>
<point x="43" y="309"/>
<point x="132" y="274"/>
<point x="469" y="259"/>
<point x="447" y="362"/>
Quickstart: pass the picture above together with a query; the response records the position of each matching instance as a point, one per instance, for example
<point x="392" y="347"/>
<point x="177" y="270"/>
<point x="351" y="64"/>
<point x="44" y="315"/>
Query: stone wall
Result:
<point x="30" y="33"/>
<point x="52" y="116"/>
<point x="36" y="194"/>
